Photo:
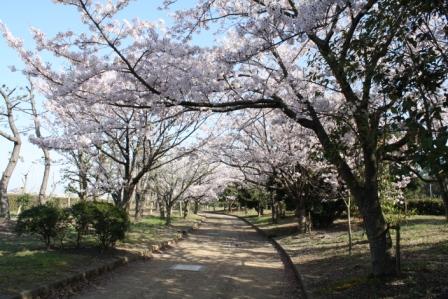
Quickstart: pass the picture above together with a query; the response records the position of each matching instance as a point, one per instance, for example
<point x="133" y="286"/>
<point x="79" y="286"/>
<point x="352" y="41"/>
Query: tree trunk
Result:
<point x="168" y="215"/>
<point x="186" y="209"/>
<point x="196" y="207"/>
<point x="445" y="201"/>
<point x="15" y="138"/>
<point x="47" y="162"/>
<point x="274" y="209"/>
<point x="162" y="211"/>
<point x="128" y="192"/>
<point x="301" y="219"/>
<point x="377" y="231"/>
<point x="138" y="206"/>
<point x="4" y="204"/>
<point x="349" y="220"/>
<point x="46" y="175"/>
<point x="444" y="192"/>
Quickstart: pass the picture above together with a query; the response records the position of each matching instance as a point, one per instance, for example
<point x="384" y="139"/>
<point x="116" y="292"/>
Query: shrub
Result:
<point x="324" y="213"/>
<point x="24" y="200"/>
<point x="111" y="224"/>
<point x="83" y="214"/>
<point x="46" y="221"/>
<point x="427" y="206"/>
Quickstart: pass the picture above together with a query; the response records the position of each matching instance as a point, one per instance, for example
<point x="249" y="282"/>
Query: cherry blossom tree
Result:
<point x="8" y="110"/>
<point x="278" y="155"/>
<point x="46" y="153"/>
<point x="122" y="144"/>
<point x="77" y="173"/>
<point x="174" y="182"/>
<point x="314" y="61"/>
<point x="324" y="59"/>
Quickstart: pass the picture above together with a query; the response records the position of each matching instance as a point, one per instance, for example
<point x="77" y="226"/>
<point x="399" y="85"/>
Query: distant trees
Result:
<point x="173" y="182"/>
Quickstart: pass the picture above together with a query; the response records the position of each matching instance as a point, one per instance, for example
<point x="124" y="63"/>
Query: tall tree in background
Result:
<point x="10" y="104"/>
<point x="37" y="130"/>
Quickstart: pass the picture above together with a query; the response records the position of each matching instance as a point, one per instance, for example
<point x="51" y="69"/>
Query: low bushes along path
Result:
<point x="224" y="258"/>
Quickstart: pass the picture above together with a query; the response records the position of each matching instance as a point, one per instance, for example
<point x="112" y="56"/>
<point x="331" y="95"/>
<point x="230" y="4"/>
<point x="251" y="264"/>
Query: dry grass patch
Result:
<point x="329" y="272"/>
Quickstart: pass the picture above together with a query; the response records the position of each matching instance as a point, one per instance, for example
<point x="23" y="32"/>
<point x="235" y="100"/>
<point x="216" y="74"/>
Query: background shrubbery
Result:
<point x="105" y="221"/>
<point x="427" y="206"/>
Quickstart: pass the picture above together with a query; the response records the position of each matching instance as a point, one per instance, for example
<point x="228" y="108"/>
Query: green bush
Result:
<point x="111" y="223"/>
<point x="427" y="206"/>
<point x="324" y="213"/>
<point x="46" y="221"/>
<point x="83" y="214"/>
<point x="24" y="200"/>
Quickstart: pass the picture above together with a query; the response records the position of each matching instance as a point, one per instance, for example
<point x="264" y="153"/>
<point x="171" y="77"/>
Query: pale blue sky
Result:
<point x="19" y="16"/>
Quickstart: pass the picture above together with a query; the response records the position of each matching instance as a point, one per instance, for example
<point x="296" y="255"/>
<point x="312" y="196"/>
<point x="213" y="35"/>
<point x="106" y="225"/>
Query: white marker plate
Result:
<point x="182" y="267"/>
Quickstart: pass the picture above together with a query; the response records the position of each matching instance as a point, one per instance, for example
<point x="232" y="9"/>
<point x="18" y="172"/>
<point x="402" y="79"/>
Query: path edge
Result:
<point x="284" y="256"/>
<point x="48" y="289"/>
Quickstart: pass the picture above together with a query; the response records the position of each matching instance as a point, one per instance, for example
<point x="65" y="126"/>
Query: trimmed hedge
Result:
<point x="427" y="206"/>
<point x="110" y="223"/>
<point x="46" y="221"/>
<point x="83" y="214"/>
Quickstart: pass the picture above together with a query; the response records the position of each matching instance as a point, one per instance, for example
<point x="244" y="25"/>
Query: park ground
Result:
<point x="232" y="260"/>
<point x="237" y="262"/>
<point x="25" y="264"/>
<point x="328" y="271"/>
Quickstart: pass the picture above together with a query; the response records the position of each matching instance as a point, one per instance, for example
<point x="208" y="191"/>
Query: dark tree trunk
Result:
<point x="168" y="215"/>
<point x="376" y="230"/>
<point x="196" y="207"/>
<point x="274" y="209"/>
<point x="138" y="205"/>
<point x="185" y="209"/>
<point x="444" y="192"/>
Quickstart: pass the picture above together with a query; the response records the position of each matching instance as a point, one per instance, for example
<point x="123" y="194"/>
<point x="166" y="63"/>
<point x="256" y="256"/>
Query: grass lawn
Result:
<point x="329" y="272"/>
<point x="25" y="264"/>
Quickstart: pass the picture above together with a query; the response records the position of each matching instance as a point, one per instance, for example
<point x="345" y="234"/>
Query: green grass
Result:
<point x="328" y="271"/>
<point x="25" y="264"/>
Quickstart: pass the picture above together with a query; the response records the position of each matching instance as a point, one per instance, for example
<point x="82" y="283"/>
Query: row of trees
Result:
<point x="364" y="79"/>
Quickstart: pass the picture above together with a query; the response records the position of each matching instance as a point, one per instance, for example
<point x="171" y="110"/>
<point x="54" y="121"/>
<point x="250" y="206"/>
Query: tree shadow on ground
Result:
<point x="424" y="275"/>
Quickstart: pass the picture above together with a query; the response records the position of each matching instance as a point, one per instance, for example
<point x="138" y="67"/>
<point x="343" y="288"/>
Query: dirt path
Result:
<point x="234" y="261"/>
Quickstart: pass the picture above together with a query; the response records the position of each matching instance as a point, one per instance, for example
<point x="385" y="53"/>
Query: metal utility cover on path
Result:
<point x="182" y="267"/>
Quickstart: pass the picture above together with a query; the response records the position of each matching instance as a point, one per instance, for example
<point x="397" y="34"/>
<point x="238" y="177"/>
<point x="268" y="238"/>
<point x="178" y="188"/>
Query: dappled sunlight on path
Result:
<point x="226" y="258"/>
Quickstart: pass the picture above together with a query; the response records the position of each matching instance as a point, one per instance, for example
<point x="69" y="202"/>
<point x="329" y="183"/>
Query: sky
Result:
<point x="19" y="16"/>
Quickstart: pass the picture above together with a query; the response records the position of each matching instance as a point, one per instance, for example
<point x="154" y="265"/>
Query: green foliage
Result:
<point x="324" y="213"/>
<point x="391" y="197"/>
<point x="108" y="222"/>
<point x="46" y="221"/>
<point x="83" y="214"/>
<point x="24" y="200"/>
<point x="427" y="206"/>
<point x="111" y="223"/>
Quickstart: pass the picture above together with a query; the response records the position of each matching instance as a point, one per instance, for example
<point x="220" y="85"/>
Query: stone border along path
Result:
<point x="224" y="258"/>
<point x="289" y="264"/>
<point x="54" y="289"/>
